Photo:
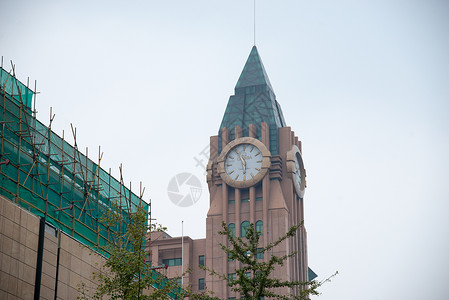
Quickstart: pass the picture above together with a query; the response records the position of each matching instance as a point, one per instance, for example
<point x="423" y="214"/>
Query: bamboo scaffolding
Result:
<point x="49" y="178"/>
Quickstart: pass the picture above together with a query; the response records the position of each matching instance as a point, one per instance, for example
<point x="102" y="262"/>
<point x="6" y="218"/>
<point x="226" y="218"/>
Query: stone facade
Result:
<point x="19" y="238"/>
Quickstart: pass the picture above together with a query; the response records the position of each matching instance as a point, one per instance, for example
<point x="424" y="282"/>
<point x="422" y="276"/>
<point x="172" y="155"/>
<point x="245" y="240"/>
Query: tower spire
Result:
<point x="253" y="72"/>
<point x="253" y="102"/>
<point x="254" y="22"/>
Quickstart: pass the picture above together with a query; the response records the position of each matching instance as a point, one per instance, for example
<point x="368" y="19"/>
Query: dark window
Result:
<point x="201" y="261"/>
<point x="201" y="284"/>
<point x="243" y="227"/>
<point x="259" y="254"/>
<point x="259" y="227"/>
<point x="231" y="195"/>
<point x="172" y="262"/>
<point x="231" y="228"/>
<point x="245" y="200"/>
<point x="259" y="198"/>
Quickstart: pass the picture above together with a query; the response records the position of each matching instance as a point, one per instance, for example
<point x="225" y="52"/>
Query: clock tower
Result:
<point x="255" y="175"/>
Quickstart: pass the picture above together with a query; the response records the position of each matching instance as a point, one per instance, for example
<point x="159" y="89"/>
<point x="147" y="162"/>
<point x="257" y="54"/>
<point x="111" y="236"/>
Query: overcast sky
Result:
<point x="364" y="84"/>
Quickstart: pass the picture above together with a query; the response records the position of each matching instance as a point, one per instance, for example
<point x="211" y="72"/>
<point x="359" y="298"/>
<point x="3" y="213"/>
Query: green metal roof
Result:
<point x="312" y="275"/>
<point x="254" y="102"/>
<point x="253" y="72"/>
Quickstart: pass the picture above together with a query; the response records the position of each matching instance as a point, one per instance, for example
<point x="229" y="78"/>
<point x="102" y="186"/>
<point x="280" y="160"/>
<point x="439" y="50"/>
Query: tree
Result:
<point x="125" y="274"/>
<point x="252" y="280"/>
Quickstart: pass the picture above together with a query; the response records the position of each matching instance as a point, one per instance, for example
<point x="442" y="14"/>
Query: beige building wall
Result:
<point x="19" y="236"/>
<point x="163" y="247"/>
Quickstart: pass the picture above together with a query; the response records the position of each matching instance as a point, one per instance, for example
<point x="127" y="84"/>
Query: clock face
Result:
<point x="243" y="162"/>
<point x="297" y="175"/>
<point x="295" y="169"/>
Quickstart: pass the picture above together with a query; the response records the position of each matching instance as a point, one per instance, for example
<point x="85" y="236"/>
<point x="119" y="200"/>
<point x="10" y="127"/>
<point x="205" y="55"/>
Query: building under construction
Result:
<point x="53" y="201"/>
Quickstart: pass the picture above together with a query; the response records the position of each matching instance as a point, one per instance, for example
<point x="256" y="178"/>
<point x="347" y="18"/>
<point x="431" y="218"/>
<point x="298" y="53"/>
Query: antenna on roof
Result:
<point x="254" y="22"/>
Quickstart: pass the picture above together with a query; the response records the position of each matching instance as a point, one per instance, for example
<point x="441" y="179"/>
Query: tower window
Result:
<point x="259" y="227"/>
<point x="259" y="254"/>
<point x="201" y="284"/>
<point x="201" y="260"/>
<point x="243" y="228"/>
<point x="231" y="195"/>
<point x="231" y="228"/>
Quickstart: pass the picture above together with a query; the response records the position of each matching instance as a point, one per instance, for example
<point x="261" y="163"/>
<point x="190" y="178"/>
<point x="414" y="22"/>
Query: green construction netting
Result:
<point x="50" y="178"/>
<point x="19" y="92"/>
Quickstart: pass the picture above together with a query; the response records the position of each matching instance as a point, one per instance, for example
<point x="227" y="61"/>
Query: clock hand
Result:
<point x="243" y="164"/>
